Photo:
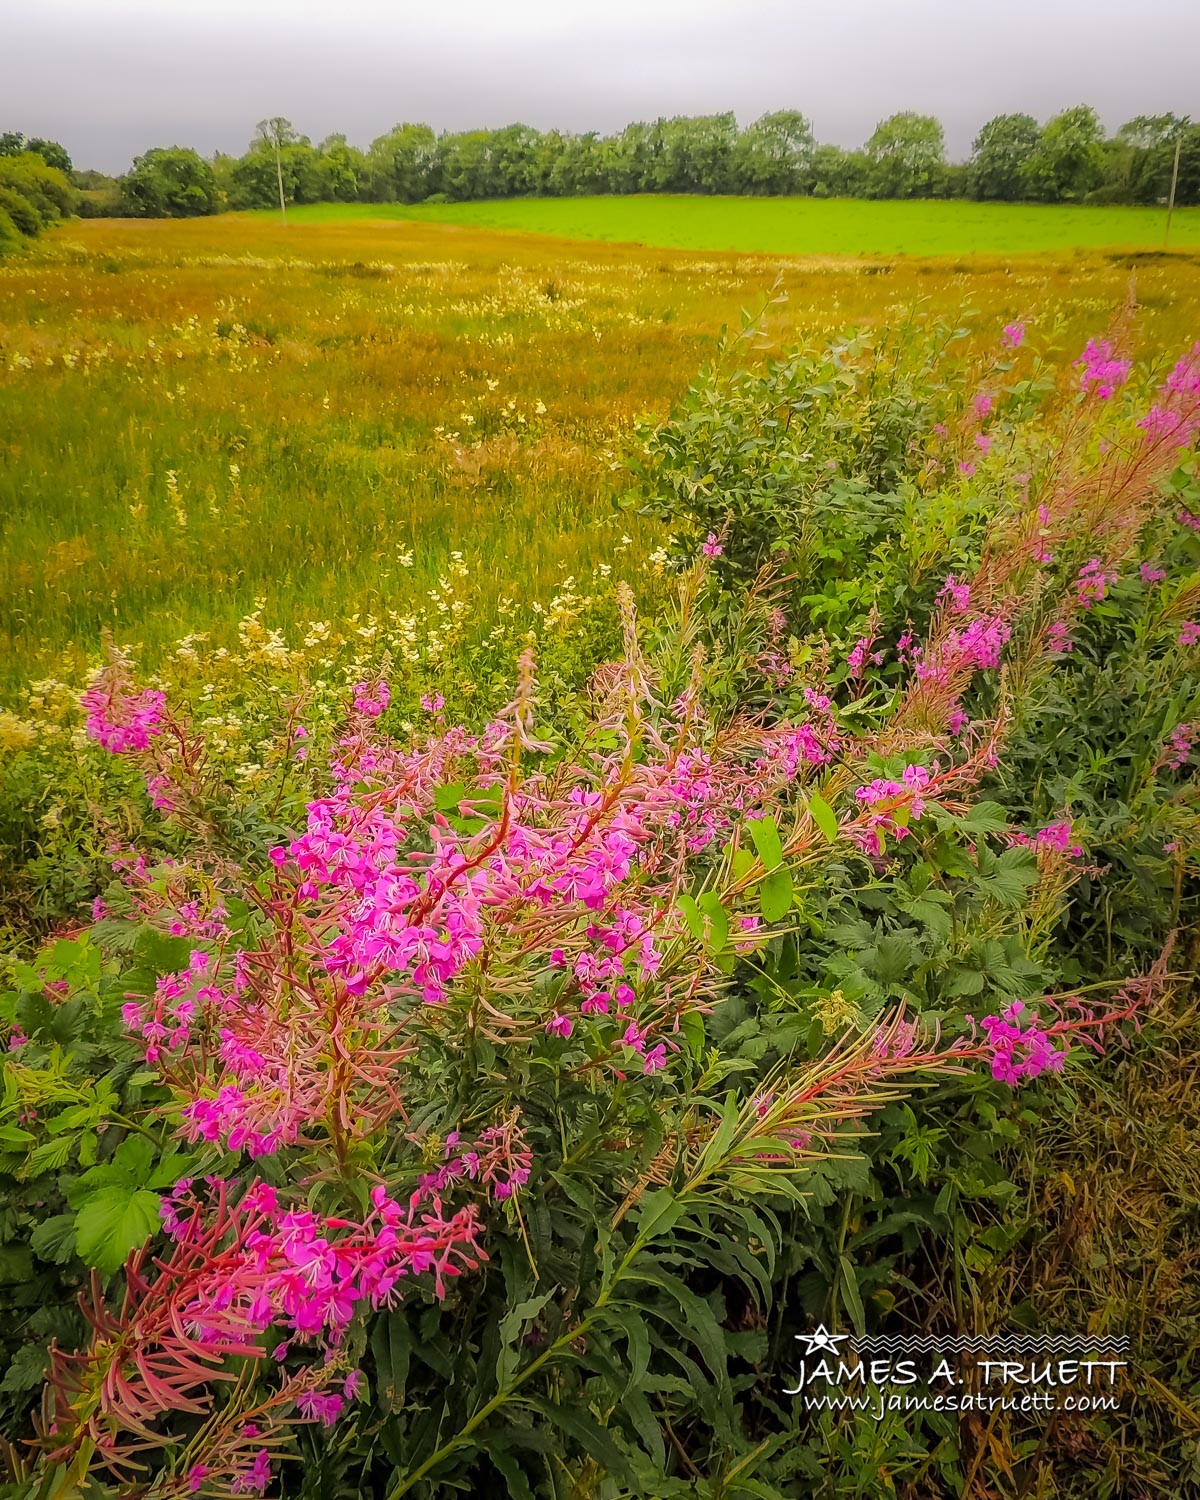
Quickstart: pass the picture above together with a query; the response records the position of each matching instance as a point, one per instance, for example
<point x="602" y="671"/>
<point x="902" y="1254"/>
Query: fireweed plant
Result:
<point x="488" y="1125"/>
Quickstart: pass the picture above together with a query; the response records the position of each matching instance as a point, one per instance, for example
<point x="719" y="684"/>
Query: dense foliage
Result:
<point x="33" y="193"/>
<point x="1013" y="159"/>
<point x="483" y="1109"/>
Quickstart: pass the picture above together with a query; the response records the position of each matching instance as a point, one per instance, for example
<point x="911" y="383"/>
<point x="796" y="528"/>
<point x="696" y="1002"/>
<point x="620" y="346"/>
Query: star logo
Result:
<point x="821" y="1340"/>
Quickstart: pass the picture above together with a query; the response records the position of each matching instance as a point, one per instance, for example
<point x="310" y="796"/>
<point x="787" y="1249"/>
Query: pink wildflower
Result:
<point x="371" y="702"/>
<point x="1102" y="373"/>
<point x="1018" y="1054"/>
<point x="1059" y="638"/>
<point x="1179" y="745"/>
<point x="1092" y="583"/>
<point x="119" y="720"/>
<point x="960" y="593"/>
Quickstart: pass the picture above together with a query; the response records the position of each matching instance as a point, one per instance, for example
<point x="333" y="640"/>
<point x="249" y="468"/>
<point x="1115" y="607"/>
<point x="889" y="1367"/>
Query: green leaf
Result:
<point x="775" y="895"/>
<point x="112" y="1222"/>
<point x="849" y="1285"/>
<point x="764" y="835"/>
<point x="448" y="799"/>
<point x="54" y="1239"/>
<point x="692" y="916"/>
<point x="660" y="1210"/>
<point x="1006" y="877"/>
<point x="577" y="1422"/>
<point x="985" y="817"/>
<point x="391" y="1344"/>
<point x="16" y="1263"/>
<point x="27" y="1370"/>
<point x="516" y="1485"/>
<point x="823" y="816"/>
<point x="716" y="920"/>
<point x="50" y="1156"/>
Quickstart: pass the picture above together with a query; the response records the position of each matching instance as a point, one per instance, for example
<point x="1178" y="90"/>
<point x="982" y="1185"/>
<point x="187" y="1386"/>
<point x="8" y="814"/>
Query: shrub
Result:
<point x="10" y="236"/>
<point x="21" y="212"/>
<point x="45" y="187"/>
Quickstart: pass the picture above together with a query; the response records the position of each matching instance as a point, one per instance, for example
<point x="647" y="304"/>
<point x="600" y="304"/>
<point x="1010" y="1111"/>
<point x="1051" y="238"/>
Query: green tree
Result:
<point x="1000" y="157"/>
<point x="628" y="160"/>
<point x="276" y="132"/>
<point x="696" y="154"/>
<point x="907" y="153"/>
<point x="45" y="187"/>
<point x="342" y="170"/>
<point x="514" y="161"/>
<point x="1069" y="160"/>
<point x="400" y="164"/>
<point x="838" y="173"/>
<point x="255" y="176"/>
<point x="1141" y="158"/>
<point x="13" y="143"/>
<point x="464" y="165"/>
<point x="169" y="182"/>
<point x="775" y="154"/>
<point x="53" y="154"/>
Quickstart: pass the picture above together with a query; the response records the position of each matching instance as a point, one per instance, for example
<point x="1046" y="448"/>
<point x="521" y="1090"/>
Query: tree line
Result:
<point x="1069" y="159"/>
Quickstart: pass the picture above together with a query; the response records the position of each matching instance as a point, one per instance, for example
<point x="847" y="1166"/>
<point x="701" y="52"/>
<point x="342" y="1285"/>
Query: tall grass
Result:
<point x="195" y="417"/>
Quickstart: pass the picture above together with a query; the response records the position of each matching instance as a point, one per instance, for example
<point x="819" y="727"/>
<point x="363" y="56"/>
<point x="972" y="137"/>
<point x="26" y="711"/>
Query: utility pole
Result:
<point x="283" y="209"/>
<point x="1174" y="183"/>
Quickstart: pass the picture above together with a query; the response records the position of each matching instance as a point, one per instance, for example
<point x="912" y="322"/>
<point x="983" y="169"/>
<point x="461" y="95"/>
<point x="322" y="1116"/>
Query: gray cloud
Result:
<point x="110" y="80"/>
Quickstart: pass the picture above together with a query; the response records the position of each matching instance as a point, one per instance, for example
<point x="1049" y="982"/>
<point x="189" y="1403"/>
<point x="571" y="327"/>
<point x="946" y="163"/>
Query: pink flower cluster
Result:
<point x="959" y="594"/>
<point x="499" y="1159"/>
<point x="1092" y="583"/>
<point x="372" y="699"/>
<point x="1018" y="1053"/>
<point x="308" y="1273"/>
<point x="979" y="644"/>
<point x="1055" y="836"/>
<point x="1059" y="637"/>
<point x="1014" y="335"/>
<point x="119" y="720"/>
<point x="712" y="545"/>
<point x="861" y="654"/>
<point x="1102" y="372"/>
<point x="1175" y="417"/>
<point x="893" y="797"/>
<point x="1180" y="743"/>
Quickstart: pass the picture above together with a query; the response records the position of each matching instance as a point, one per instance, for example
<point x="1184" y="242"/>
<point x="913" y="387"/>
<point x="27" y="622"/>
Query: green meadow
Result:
<point x="799" y="226"/>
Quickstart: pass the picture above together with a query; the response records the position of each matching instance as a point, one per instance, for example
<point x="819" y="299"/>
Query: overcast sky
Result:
<point x="110" y="78"/>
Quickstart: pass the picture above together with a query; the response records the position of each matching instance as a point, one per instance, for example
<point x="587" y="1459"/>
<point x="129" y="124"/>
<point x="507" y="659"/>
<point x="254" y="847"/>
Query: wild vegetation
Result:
<point x="567" y="871"/>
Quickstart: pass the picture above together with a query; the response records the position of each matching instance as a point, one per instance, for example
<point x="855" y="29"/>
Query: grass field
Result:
<point x="800" y="226"/>
<point x="198" y="416"/>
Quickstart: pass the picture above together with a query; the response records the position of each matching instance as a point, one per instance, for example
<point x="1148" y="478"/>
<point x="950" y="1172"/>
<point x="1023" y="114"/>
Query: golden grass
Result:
<point x="195" y="416"/>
